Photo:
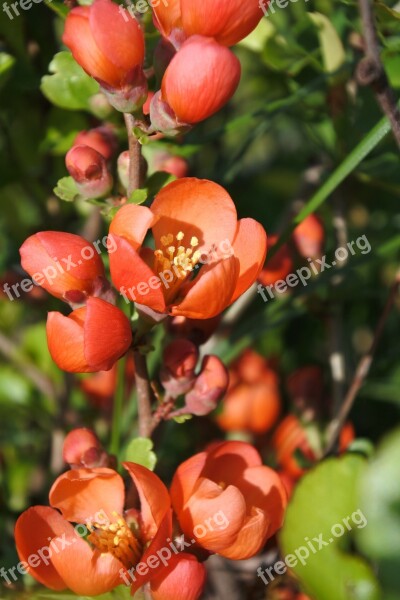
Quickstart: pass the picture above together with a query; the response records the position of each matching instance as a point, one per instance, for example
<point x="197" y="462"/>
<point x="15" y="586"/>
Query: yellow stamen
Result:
<point x="116" y="538"/>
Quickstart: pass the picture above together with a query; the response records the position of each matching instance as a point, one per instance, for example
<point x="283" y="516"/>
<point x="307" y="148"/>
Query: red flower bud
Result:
<point x="101" y="139"/>
<point x="176" y="165"/>
<point x="199" y="81"/>
<point x="228" y="21"/>
<point x="309" y="237"/>
<point x="210" y="386"/>
<point x="179" y="362"/>
<point x="108" y="43"/>
<point x="89" y="170"/>
<point x="90" y="339"/>
<point x="60" y="262"/>
<point x="279" y="266"/>
<point x="82" y="448"/>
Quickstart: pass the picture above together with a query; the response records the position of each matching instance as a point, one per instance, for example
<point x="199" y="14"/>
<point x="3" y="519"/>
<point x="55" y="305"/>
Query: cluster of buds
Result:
<point x="202" y="391"/>
<point x="88" y="161"/>
<point x="198" y="72"/>
<point x="97" y="333"/>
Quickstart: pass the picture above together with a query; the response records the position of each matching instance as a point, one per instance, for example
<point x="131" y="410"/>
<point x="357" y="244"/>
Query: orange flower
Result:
<point x="198" y="82"/>
<point x="291" y="437"/>
<point x="118" y="540"/>
<point x="194" y="223"/>
<point x="228" y="479"/>
<point x="228" y="21"/>
<point x="59" y="262"/>
<point x="109" y="46"/>
<point x="253" y="400"/>
<point x="91" y="338"/>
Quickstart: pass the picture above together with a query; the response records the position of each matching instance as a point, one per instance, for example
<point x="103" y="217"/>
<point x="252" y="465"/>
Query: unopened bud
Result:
<point x="163" y="117"/>
<point x="102" y="139"/>
<point x="82" y="448"/>
<point x="209" y="388"/>
<point x="179" y="363"/>
<point x="89" y="170"/>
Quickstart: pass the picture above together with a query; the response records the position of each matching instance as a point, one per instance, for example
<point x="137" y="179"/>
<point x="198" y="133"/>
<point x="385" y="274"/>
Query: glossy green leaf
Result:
<point x="66" y="190"/>
<point x="380" y="500"/>
<point x="140" y="451"/>
<point x="325" y="508"/>
<point x="69" y="87"/>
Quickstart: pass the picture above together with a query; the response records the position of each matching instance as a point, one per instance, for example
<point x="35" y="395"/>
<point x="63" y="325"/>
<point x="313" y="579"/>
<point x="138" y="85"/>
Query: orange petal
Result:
<point x="262" y="487"/>
<point x="154" y="497"/>
<point x="120" y="39"/>
<point x="58" y="258"/>
<point x="200" y="79"/>
<point x="198" y="208"/>
<point x="207" y="501"/>
<point x="159" y="542"/>
<point x="201" y="300"/>
<point x="183" y="579"/>
<point x="85" y="571"/>
<point x="185" y="478"/>
<point x="107" y="334"/>
<point x="32" y="532"/>
<point x="226" y="461"/>
<point x="228" y="21"/>
<point x="132" y="223"/>
<point x="250" y="247"/>
<point x="167" y="16"/>
<point x="81" y="494"/>
<point x="79" y="39"/>
<point x="129" y="271"/>
<point x="250" y="539"/>
<point x="65" y="342"/>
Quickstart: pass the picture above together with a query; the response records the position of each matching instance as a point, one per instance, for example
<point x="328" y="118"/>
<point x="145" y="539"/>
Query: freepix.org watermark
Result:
<point x="269" y="8"/>
<point x="64" y="265"/>
<point x="302" y="553"/>
<point x="218" y="522"/>
<point x="317" y="266"/>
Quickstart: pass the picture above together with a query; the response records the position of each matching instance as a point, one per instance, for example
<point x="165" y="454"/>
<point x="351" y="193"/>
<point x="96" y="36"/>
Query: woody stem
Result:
<point x="142" y="380"/>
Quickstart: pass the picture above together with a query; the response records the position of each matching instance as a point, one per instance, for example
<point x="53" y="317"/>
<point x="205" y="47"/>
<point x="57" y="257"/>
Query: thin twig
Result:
<point x="135" y="151"/>
<point x="361" y="372"/>
<point x="370" y="70"/>
<point x="144" y="394"/>
<point x="43" y="383"/>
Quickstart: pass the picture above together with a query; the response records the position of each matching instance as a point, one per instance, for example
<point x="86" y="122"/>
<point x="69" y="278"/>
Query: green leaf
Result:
<point x="183" y="418"/>
<point x="324" y="501"/>
<point x="350" y="163"/>
<point x="6" y="64"/>
<point x="66" y="190"/>
<point x="140" y="451"/>
<point x="69" y="87"/>
<point x="138" y="197"/>
<point x="332" y="49"/>
<point x="380" y="500"/>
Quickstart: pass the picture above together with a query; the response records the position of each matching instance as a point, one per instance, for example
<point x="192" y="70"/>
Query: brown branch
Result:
<point x="361" y="372"/>
<point x="144" y="394"/>
<point x="135" y="153"/>
<point x="370" y="70"/>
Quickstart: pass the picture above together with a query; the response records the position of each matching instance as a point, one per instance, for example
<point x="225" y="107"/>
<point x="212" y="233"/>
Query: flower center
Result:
<point x="176" y="258"/>
<point x="116" y="538"/>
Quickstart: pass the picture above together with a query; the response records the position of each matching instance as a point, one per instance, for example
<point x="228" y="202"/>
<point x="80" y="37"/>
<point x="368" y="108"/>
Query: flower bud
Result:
<point x="198" y="82"/>
<point x="90" y="339"/>
<point x="309" y="237"/>
<point x="82" y="448"/>
<point x="179" y="362"/>
<point x="123" y="168"/>
<point x="102" y="139"/>
<point x="62" y="262"/>
<point x="89" y="170"/>
<point x="108" y="43"/>
<point x="161" y="160"/>
<point x="280" y="265"/>
<point x="210" y="386"/>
